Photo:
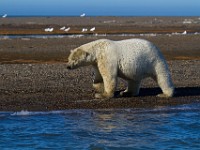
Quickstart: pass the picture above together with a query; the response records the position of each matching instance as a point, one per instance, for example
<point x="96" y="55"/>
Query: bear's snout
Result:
<point x="69" y="67"/>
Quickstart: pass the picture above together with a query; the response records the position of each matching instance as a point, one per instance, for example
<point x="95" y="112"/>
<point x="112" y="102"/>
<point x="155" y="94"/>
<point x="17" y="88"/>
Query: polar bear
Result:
<point x="132" y="60"/>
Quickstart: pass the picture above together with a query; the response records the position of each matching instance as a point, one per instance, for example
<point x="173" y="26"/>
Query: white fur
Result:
<point x="132" y="60"/>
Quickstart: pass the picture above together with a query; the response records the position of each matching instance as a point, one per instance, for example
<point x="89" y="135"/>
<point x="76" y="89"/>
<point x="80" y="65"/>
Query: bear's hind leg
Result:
<point x="132" y="89"/>
<point x="166" y="85"/>
<point x="164" y="80"/>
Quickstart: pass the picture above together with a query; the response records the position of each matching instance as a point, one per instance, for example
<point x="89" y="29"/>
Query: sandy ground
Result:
<point x="33" y="74"/>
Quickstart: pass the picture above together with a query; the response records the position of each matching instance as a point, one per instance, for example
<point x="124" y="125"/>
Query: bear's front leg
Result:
<point x="98" y="87"/>
<point x="109" y="89"/>
<point x="109" y="75"/>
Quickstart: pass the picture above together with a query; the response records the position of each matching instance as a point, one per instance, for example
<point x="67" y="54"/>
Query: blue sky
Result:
<point x="100" y="7"/>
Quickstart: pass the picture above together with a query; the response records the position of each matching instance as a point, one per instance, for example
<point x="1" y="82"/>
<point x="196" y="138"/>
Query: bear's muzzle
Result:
<point x="69" y="66"/>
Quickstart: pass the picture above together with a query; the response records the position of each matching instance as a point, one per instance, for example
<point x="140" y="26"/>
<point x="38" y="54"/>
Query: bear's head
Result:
<point x="78" y="58"/>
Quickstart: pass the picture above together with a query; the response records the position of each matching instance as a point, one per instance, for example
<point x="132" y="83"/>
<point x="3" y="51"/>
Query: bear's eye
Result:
<point x="74" y="58"/>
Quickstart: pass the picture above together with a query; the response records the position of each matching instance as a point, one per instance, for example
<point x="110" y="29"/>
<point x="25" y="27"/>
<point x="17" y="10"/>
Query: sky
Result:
<point x="100" y="7"/>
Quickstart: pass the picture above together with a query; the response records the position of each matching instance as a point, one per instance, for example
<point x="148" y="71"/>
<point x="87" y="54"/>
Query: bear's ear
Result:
<point x="81" y="52"/>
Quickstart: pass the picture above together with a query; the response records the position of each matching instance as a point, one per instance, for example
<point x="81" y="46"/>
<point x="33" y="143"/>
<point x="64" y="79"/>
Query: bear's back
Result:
<point x="136" y="45"/>
<point x="136" y="48"/>
<point x="138" y="55"/>
<point x="128" y="49"/>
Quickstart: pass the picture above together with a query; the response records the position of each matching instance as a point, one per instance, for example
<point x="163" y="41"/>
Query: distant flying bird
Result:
<point x="92" y="29"/>
<point x="82" y="15"/>
<point x="4" y="16"/>
<point x="63" y="28"/>
<point x="66" y="30"/>
<point x="84" y="30"/>
<point x="184" y="33"/>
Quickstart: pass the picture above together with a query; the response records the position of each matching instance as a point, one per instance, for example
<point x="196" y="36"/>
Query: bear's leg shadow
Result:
<point x="109" y="80"/>
<point x="164" y="80"/>
<point x="132" y="89"/>
<point x="98" y="81"/>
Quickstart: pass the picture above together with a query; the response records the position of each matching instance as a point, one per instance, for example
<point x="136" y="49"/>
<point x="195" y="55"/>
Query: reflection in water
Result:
<point x="164" y="127"/>
<point x="105" y="122"/>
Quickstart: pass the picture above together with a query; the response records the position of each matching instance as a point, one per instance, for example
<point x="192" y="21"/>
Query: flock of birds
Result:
<point x="64" y="28"/>
<point x="68" y="28"/>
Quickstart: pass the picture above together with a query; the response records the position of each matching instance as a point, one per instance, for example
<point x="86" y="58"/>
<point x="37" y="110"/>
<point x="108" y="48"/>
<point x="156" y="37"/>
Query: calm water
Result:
<point x="159" y="128"/>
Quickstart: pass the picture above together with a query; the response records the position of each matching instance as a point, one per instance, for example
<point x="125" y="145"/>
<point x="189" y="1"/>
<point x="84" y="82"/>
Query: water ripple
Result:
<point x="164" y="128"/>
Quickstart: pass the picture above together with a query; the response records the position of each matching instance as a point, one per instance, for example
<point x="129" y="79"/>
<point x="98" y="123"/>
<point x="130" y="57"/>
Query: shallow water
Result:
<point x="28" y="37"/>
<point x="157" y="128"/>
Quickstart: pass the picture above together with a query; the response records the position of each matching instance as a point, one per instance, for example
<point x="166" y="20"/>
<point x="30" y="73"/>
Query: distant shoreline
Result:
<point x="103" y="24"/>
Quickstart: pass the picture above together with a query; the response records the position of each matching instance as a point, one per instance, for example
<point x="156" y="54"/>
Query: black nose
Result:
<point x="69" y="67"/>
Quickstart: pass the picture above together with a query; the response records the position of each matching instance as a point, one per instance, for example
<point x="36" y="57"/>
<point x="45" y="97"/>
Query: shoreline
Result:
<point x="46" y="87"/>
<point x="104" y="25"/>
